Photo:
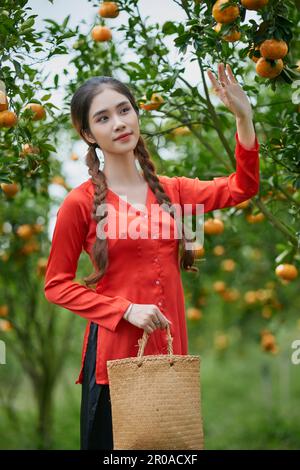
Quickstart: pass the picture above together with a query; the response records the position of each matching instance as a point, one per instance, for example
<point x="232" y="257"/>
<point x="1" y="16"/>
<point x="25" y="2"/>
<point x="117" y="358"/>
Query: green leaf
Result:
<point x="49" y="147"/>
<point x="46" y="97"/>
<point x="169" y="28"/>
<point x="28" y="23"/>
<point x="66" y="20"/>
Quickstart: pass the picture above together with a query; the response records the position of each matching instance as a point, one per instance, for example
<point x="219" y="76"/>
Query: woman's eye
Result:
<point x="126" y="109"/>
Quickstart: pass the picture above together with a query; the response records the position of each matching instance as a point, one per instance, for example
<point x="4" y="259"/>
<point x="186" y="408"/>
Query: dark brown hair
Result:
<point x="80" y="105"/>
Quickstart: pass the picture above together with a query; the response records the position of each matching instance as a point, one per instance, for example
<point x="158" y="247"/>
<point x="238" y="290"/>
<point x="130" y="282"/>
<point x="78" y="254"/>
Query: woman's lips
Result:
<point x="125" y="137"/>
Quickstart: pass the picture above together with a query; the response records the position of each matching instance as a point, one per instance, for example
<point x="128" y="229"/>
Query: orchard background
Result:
<point x="242" y="306"/>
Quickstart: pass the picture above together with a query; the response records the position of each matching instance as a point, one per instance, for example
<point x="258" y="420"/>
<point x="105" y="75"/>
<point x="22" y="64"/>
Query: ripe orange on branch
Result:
<point x="255" y="218"/>
<point x="269" y="68"/>
<point x="10" y="189"/>
<point x="5" y="325"/>
<point x="108" y="10"/>
<point x="243" y="205"/>
<point x="273" y="49"/>
<point x="30" y="247"/>
<point x="213" y="226"/>
<point x="233" y="36"/>
<point x="219" y="286"/>
<point x="268" y="342"/>
<point x="226" y="15"/>
<point x="37" y="109"/>
<point x="254" y="4"/>
<point x="155" y="102"/>
<point x="194" y="313"/>
<point x="182" y="130"/>
<point x="24" y="231"/>
<point x="228" y="265"/>
<point x="218" y="250"/>
<point x="286" y="271"/>
<point x="101" y="34"/>
<point x="8" y="118"/>
<point x="230" y="295"/>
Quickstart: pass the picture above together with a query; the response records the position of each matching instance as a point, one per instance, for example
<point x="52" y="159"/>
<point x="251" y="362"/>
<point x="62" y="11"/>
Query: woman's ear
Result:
<point x="89" y="137"/>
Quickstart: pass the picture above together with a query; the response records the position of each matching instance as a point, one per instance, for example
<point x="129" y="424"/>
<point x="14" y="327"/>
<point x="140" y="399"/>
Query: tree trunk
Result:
<point x="44" y="397"/>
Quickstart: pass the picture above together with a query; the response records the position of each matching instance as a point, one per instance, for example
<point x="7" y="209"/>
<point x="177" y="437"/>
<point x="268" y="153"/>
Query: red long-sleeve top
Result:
<point x="140" y="271"/>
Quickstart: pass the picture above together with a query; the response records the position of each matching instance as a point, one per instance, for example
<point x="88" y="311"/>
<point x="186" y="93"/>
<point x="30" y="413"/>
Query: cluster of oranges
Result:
<point x="229" y="294"/>
<point x="268" y="54"/>
<point x="9" y="118"/>
<point x="268" y="57"/>
<point x="103" y="33"/>
<point x="250" y="217"/>
<point x="224" y="16"/>
<point x="230" y="13"/>
<point x="27" y="233"/>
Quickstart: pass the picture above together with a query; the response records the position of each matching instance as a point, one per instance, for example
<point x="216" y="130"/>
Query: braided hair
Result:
<point x="80" y="104"/>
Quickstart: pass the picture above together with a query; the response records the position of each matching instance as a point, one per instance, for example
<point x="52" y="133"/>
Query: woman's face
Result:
<point x="118" y="119"/>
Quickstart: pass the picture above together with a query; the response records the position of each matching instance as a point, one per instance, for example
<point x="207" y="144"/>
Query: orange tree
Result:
<point x="31" y="329"/>
<point x="29" y="132"/>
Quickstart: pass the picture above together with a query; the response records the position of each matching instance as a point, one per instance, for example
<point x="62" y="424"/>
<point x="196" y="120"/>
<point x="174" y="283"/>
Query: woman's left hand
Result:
<point x="230" y="92"/>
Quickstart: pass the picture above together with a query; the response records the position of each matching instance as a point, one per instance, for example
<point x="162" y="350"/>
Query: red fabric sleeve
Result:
<point x="67" y="243"/>
<point x="224" y="191"/>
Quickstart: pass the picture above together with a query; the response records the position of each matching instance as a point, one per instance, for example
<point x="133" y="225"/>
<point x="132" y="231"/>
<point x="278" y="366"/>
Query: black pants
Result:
<point x="95" y="413"/>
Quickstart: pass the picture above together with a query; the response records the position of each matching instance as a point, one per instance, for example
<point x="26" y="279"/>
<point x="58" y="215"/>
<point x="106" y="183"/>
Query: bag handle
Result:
<point x="143" y="341"/>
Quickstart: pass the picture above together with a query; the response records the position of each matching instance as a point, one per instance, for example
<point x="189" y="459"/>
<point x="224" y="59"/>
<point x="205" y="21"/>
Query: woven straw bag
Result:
<point x="156" y="400"/>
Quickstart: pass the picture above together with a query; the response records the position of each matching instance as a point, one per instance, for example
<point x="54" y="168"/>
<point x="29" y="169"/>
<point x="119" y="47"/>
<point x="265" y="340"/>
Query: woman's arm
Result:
<point x="226" y="191"/>
<point x="223" y="191"/>
<point x="67" y="243"/>
<point x="246" y="132"/>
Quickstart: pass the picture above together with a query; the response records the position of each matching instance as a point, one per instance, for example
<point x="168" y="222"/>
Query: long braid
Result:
<point x="149" y="172"/>
<point x="100" y="248"/>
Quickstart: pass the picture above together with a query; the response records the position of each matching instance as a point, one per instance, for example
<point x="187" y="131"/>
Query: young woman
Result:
<point x="136" y="283"/>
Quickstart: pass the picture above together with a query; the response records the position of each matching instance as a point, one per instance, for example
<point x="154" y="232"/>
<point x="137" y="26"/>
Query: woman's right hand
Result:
<point x="144" y="315"/>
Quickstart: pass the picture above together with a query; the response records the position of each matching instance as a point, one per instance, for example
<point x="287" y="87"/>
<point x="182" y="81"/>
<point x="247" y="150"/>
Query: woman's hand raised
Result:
<point x="230" y="92"/>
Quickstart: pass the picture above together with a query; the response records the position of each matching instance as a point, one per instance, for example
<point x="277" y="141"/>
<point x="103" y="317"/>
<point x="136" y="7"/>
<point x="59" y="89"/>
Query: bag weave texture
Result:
<point x="156" y="400"/>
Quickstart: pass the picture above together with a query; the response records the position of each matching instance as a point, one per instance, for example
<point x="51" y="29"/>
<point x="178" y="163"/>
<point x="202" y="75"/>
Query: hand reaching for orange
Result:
<point x="230" y="92"/>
